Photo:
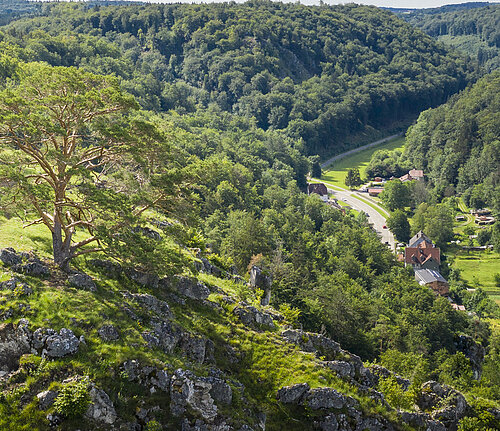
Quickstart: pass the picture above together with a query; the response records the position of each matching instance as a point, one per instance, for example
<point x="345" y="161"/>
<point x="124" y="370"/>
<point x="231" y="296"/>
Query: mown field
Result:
<point x="337" y="171"/>
<point x="479" y="269"/>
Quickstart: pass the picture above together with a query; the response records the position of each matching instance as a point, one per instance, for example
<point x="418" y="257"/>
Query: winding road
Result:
<point x="377" y="215"/>
<point x="362" y="202"/>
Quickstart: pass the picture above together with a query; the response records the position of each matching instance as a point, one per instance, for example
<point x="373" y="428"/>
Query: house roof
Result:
<point x="427" y="276"/>
<point x="418" y="238"/>
<point x="317" y="188"/>
<point x="416" y="173"/>
<point x="422" y="254"/>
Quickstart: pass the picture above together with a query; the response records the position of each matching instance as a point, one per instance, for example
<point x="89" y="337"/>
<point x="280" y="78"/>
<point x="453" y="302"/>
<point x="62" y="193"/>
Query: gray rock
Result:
<point x="145" y="279"/>
<point x="447" y="404"/>
<point x="190" y="288"/>
<point x="209" y="268"/>
<point x="108" y="333"/>
<point x="260" y="280"/>
<point x="131" y="370"/>
<point x="150" y="377"/>
<point x="62" y="344"/>
<point x="329" y="423"/>
<point x="314" y="343"/>
<point x="251" y="316"/>
<point x="101" y="408"/>
<point x="186" y="390"/>
<point x="35" y="268"/>
<point x="9" y="257"/>
<point x="82" y="281"/>
<point x="9" y="284"/>
<point x="164" y="335"/>
<point x="46" y="399"/>
<point x="14" y="342"/>
<point x="54" y="419"/>
<point x="293" y="394"/>
<point x="161" y="380"/>
<point x="194" y="347"/>
<point x="111" y="269"/>
<point x="151" y="303"/>
<point x="40" y="336"/>
<point x="324" y="398"/>
<point x="421" y="421"/>
<point x="221" y="392"/>
<point x="342" y="368"/>
<point x="473" y="351"/>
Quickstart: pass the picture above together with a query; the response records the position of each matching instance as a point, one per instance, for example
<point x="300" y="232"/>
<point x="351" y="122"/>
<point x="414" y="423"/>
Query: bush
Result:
<point x="73" y="399"/>
<point x="395" y="395"/>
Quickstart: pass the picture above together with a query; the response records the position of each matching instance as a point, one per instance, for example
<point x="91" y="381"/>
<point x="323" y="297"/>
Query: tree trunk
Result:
<point x="61" y="249"/>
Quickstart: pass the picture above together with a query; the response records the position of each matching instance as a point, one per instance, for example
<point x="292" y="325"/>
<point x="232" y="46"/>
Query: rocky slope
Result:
<point x="111" y="348"/>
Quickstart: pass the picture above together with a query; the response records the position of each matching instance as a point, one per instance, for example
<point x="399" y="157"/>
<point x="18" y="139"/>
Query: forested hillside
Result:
<point x="317" y="73"/>
<point x="457" y="144"/>
<point x="150" y="158"/>
<point x="474" y="31"/>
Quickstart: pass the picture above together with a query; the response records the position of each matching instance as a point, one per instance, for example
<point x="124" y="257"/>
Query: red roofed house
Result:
<point x="423" y="255"/>
<point x="375" y="191"/>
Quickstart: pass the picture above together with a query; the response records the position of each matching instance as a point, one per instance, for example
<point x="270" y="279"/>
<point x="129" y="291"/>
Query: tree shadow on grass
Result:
<point x="43" y="243"/>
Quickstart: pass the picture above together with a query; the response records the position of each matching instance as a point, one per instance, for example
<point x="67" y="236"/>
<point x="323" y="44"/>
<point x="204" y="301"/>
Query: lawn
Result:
<point x="479" y="268"/>
<point x="34" y="237"/>
<point x="337" y="171"/>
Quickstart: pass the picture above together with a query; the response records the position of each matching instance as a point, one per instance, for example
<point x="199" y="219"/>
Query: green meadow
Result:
<point x="337" y="171"/>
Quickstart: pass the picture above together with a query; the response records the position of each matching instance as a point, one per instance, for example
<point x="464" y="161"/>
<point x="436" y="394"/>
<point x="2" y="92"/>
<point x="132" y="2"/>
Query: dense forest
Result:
<point x="457" y="144"/>
<point x="194" y="126"/>
<point x="474" y="31"/>
<point x="318" y="74"/>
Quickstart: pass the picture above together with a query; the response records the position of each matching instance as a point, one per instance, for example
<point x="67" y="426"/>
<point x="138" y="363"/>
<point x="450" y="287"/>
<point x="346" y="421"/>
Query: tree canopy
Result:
<point x="320" y="74"/>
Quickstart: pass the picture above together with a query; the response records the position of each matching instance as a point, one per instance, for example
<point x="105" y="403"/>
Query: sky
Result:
<point x="410" y="4"/>
<point x="403" y="3"/>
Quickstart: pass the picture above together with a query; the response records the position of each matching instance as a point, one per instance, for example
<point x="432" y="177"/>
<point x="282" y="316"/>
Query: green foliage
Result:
<point x="385" y="164"/>
<point x="399" y="225"/>
<point x="396" y="194"/>
<point x="471" y="30"/>
<point x="436" y="221"/>
<point x="291" y="314"/>
<point x="73" y="399"/>
<point x="318" y="74"/>
<point x="457" y="144"/>
<point x="353" y="179"/>
<point x="153" y="426"/>
<point x="395" y="395"/>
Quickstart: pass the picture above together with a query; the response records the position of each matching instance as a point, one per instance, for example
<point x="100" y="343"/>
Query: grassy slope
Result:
<point x="267" y="363"/>
<point x="337" y="171"/>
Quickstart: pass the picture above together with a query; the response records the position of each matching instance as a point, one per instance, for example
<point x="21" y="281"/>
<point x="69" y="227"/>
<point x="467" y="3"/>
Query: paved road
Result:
<point x="357" y="150"/>
<point x="374" y="216"/>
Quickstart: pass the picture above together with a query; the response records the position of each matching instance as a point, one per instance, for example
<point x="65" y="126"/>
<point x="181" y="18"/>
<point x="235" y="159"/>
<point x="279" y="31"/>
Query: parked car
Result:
<point x="384" y="227"/>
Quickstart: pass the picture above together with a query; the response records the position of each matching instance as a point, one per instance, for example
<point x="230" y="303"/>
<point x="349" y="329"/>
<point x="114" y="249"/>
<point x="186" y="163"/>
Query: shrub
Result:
<point x="291" y="314"/>
<point x="395" y="395"/>
<point x="73" y="399"/>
